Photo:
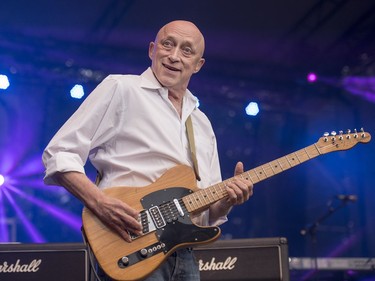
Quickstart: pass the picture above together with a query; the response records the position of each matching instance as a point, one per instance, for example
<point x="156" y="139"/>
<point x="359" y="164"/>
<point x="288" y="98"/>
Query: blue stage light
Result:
<point x="2" y="180"/>
<point x="77" y="92"/>
<point x="4" y="82"/>
<point x="252" y="109"/>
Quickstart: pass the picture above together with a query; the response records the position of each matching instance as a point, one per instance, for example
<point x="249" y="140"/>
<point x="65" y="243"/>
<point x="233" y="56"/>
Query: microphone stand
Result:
<point x="313" y="228"/>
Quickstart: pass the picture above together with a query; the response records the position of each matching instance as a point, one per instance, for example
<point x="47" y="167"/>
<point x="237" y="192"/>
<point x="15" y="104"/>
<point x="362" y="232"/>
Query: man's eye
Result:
<point x="188" y="50"/>
<point x="167" y="44"/>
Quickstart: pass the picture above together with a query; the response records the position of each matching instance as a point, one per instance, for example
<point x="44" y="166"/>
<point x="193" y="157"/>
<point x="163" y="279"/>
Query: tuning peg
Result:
<point x="341" y="133"/>
<point x="355" y="133"/>
<point x="363" y="133"/>
<point x="333" y="134"/>
<point x="348" y="131"/>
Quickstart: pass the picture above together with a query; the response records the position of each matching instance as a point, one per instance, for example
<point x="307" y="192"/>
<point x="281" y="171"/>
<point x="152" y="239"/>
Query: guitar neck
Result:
<point x="203" y="198"/>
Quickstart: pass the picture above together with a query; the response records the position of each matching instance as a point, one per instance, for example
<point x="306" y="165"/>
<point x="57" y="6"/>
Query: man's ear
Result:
<point x="199" y="65"/>
<point x="151" y="50"/>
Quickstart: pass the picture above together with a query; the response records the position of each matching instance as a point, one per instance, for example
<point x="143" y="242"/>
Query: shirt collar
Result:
<point x="149" y="81"/>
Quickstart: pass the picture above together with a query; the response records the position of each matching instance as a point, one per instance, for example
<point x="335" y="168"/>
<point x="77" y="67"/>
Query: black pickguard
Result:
<point x="181" y="230"/>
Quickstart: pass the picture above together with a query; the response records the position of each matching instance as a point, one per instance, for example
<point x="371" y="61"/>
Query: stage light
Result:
<point x="77" y="92"/>
<point x="4" y="82"/>
<point x="2" y="180"/>
<point x="252" y="109"/>
<point x="312" y="77"/>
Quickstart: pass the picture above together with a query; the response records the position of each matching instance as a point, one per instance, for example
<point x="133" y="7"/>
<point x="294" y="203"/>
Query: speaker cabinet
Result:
<point x="43" y="262"/>
<point x="257" y="259"/>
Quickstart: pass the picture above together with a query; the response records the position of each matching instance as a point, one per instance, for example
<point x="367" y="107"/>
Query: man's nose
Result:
<point x="174" y="55"/>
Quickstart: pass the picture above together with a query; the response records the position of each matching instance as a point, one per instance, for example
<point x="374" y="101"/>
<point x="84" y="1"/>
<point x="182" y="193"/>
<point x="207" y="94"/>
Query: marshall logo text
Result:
<point x="33" y="266"/>
<point x="212" y="265"/>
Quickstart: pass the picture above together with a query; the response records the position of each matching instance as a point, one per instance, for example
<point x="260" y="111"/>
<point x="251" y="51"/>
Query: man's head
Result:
<point x="176" y="54"/>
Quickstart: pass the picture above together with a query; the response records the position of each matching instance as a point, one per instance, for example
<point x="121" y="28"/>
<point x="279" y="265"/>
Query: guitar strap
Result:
<point x="190" y="135"/>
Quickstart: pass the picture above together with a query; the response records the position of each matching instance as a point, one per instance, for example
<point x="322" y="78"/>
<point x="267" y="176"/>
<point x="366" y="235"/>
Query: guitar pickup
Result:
<point x="157" y="217"/>
<point x="179" y="208"/>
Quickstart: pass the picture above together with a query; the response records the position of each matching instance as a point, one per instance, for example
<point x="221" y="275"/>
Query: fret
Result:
<point x="314" y="151"/>
<point x="193" y="200"/>
<point x="292" y="161"/>
<point x="303" y="156"/>
<point x="210" y="195"/>
<point x="264" y="171"/>
<point x="223" y="188"/>
<point x="260" y="174"/>
<point x="256" y="174"/>
<point x="205" y="196"/>
<point x="308" y="155"/>
<point x="268" y="170"/>
<point x="317" y="149"/>
<point x="215" y="193"/>
<point x="281" y="166"/>
<point x="188" y="202"/>
<point x="290" y="164"/>
<point x="296" y="154"/>
<point x="248" y="177"/>
<point x="276" y="167"/>
<point x="272" y="169"/>
<point x="199" y="199"/>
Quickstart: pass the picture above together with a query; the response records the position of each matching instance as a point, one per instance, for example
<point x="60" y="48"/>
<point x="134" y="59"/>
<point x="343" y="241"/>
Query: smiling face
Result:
<point x="177" y="54"/>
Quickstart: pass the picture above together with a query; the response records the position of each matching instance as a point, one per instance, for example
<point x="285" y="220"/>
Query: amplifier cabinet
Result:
<point x="257" y="259"/>
<point x="43" y="262"/>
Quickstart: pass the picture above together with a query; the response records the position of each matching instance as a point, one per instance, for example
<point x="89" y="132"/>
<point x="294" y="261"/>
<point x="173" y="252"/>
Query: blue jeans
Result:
<point x="180" y="266"/>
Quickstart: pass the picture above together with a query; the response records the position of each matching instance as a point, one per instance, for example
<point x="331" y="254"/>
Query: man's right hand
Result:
<point x="114" y="213"/>
<point x="118" y="216"/>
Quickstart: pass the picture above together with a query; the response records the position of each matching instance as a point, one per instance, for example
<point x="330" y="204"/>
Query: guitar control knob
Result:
<point x="143" y="253"/>
<point x="125" y="261"/>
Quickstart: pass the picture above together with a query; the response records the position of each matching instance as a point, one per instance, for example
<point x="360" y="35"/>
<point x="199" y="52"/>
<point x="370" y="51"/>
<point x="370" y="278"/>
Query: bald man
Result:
<point x="132" y="129"/>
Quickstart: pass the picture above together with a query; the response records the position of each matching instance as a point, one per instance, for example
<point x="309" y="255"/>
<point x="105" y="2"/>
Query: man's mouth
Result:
<point x="170" y="67"/>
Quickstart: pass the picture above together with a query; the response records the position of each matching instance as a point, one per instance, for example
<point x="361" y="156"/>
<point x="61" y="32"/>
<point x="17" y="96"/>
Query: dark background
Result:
<point x="255" y="51"/>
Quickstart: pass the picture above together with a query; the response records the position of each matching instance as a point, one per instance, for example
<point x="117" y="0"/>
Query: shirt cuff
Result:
<point x="62" y="162"/>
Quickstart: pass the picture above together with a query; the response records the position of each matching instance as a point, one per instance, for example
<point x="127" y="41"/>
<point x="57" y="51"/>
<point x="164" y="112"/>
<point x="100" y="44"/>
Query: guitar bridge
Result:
<point x="147" y="223"/>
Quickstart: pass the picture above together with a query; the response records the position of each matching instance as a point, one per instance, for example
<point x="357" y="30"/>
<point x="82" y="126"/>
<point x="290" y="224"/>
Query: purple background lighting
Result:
<point x="35" y="235"/>
<point x="312" y="77"/>
<point x="361" y="86"/>
<point x="69" y="219"/>
<point x="4" y="235"/>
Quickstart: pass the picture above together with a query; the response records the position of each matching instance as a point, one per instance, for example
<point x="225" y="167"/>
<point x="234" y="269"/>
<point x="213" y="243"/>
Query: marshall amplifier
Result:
<point x="43" y="262"/>
<point x="244" y="259"/>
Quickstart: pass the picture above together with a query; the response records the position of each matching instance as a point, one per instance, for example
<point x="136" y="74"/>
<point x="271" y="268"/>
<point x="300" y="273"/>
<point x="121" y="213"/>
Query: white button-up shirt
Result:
<point x="132" y="134"/>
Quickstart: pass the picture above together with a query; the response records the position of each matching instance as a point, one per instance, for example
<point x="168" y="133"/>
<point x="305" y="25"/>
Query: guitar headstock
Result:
<point x="341" y="141"/>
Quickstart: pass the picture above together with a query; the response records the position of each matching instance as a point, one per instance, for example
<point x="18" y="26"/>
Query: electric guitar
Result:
<point x="167" y="205"/>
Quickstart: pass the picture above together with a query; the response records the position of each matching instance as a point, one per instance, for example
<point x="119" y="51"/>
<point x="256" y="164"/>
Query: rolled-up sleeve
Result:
<point x="69" y="149"/>
<point x="61" y="162"/>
